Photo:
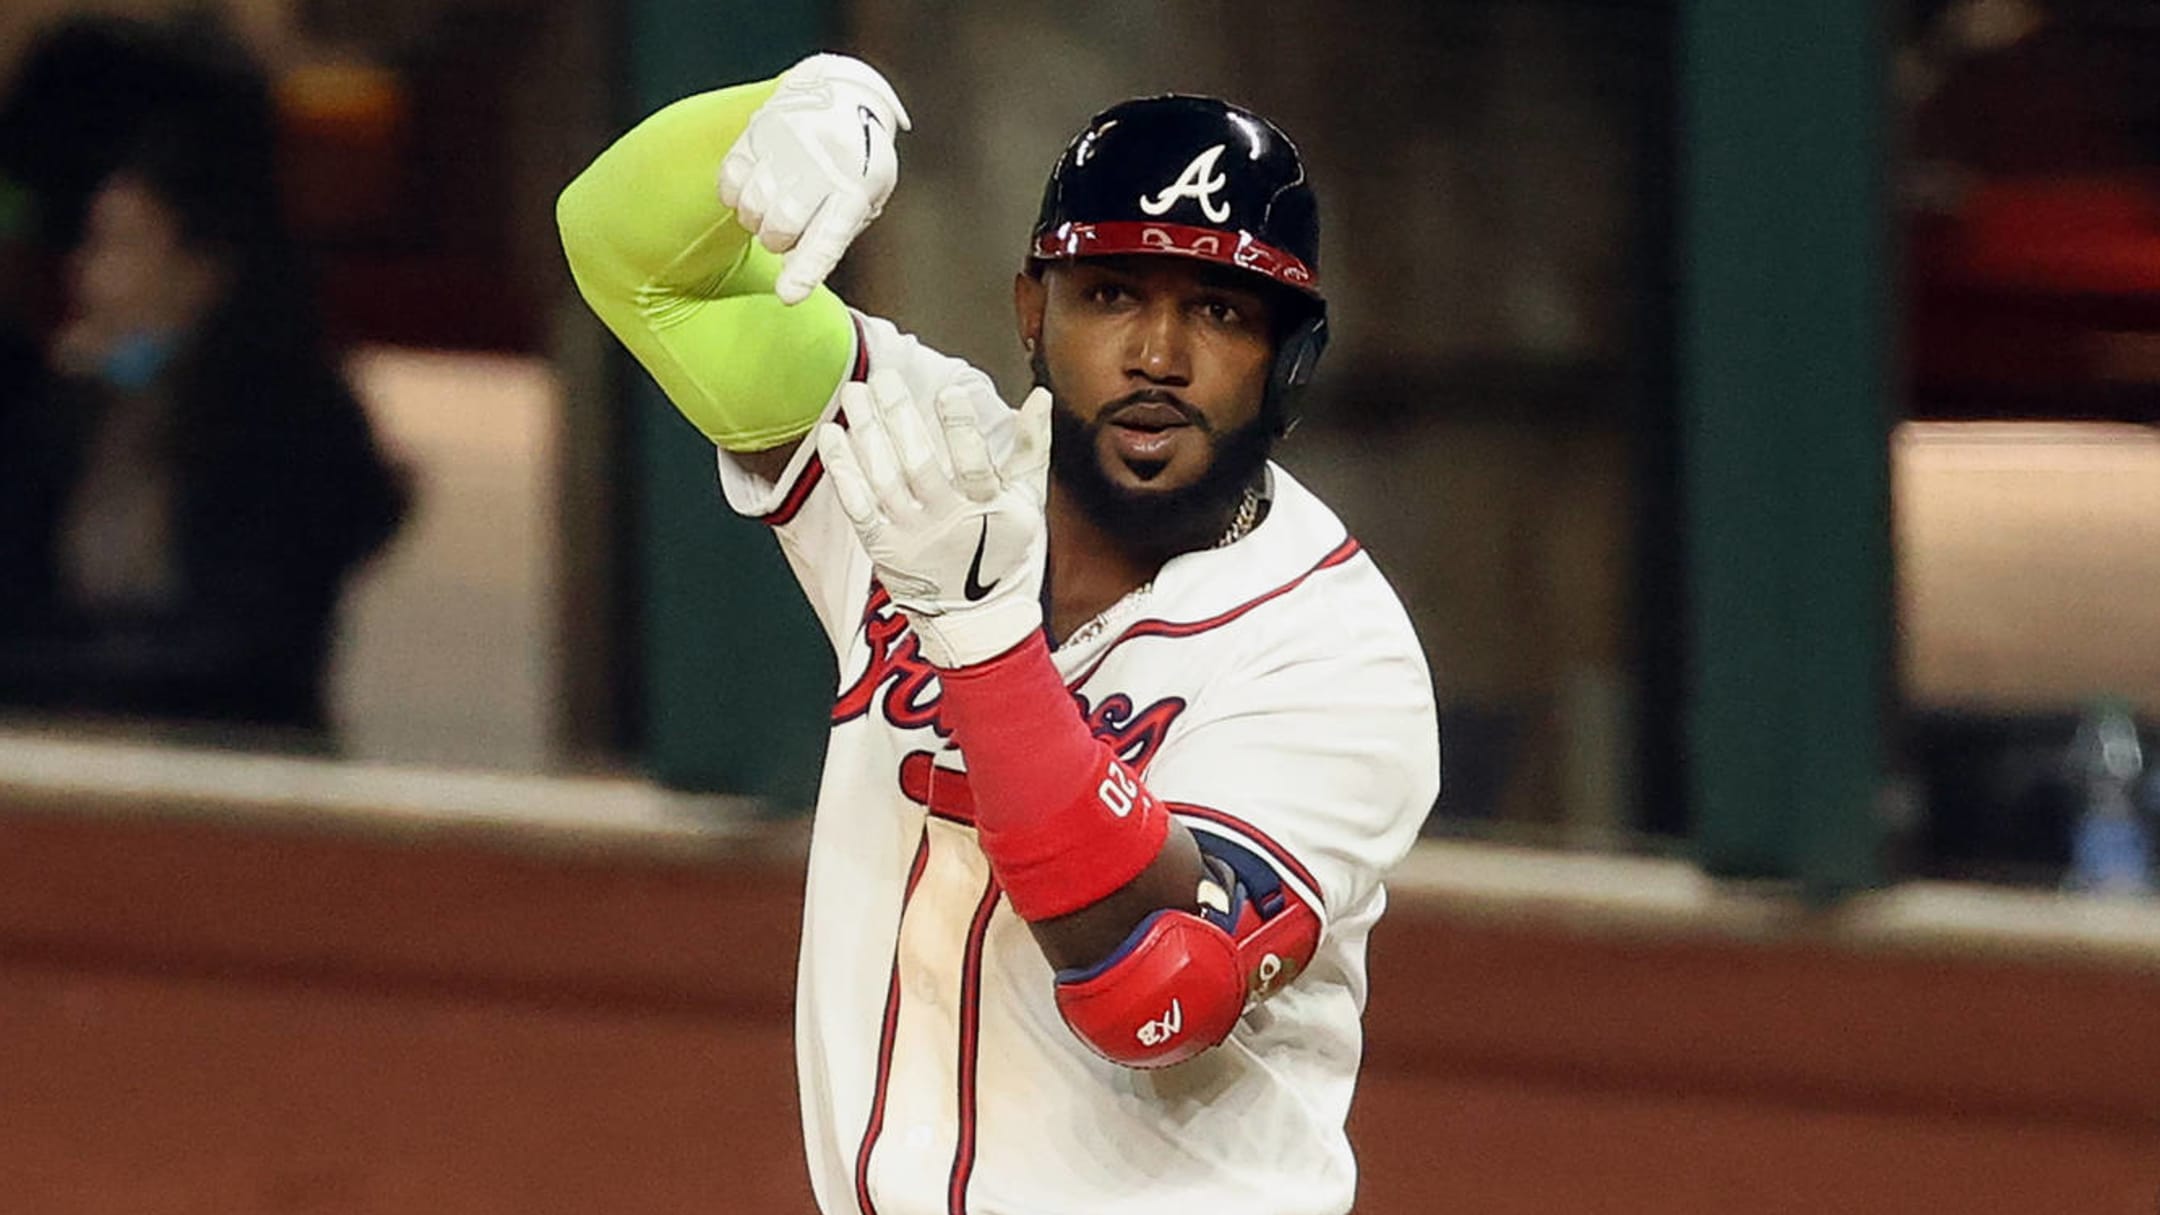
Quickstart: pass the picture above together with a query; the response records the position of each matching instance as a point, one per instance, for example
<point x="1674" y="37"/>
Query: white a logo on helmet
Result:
<point x="1197" y="184"/>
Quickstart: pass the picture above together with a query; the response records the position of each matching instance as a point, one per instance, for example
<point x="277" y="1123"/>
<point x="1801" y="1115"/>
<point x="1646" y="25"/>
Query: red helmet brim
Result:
<point x="1236" y="249"/>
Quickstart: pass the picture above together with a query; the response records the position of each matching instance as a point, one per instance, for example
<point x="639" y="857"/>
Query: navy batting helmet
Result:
<point x="1196" y="177"/>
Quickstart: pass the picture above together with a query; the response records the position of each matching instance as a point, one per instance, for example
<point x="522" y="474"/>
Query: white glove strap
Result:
<point x="979" y="634"/>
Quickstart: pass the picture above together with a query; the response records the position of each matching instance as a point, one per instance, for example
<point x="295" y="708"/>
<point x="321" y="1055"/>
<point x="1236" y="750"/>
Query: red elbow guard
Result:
<point x="1179" y="983"/>
<point x="1169" y="995"/>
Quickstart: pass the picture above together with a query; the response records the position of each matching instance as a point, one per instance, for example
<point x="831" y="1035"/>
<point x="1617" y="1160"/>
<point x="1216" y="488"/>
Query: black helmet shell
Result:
<point x="1184" y="176"/>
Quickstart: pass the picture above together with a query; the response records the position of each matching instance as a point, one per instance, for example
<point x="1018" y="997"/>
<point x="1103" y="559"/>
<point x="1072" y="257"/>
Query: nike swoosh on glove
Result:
<point x="956" y="535"/>
<point x="815" y="166"/>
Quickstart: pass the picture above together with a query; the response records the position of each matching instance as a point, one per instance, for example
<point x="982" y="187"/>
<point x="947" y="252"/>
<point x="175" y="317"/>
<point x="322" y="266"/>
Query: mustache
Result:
<point x="1157" y="396"/>
<point x="1039" y="366"/>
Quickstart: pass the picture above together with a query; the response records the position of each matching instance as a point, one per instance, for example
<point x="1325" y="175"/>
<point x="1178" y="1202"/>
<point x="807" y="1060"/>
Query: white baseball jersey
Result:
<point x="1271" y="693"/>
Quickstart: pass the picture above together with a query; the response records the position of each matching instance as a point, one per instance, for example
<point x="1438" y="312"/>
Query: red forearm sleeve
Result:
<point x="1063" y="821"/>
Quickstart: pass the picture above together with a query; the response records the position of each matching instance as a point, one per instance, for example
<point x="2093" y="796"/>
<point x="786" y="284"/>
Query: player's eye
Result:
<point x="1226" y="312"/>
<point x="1108" y="293"/>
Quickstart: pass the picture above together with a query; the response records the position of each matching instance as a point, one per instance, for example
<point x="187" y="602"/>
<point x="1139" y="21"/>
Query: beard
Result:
<point x="1159" y="523"/>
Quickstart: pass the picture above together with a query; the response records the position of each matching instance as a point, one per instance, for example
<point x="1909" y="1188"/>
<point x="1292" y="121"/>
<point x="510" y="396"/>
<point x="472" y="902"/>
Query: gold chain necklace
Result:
<point x="1248" y="516"/>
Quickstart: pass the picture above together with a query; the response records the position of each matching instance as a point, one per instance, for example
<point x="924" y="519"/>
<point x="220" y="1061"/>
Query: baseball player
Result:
<point x="1128" y="729"/>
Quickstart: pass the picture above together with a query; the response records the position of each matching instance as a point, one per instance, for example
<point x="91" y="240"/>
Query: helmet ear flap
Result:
<point x="1296" y="358"/>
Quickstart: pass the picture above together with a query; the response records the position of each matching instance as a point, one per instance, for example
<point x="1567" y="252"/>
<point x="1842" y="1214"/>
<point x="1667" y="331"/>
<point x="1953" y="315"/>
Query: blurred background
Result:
<point x="1753" y="405"/>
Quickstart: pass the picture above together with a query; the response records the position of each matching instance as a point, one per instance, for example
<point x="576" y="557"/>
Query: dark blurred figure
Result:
<point x="76" y="104"/>
<point x="2009" y="89"/>
<point x="183" y="498"/>
<point x="2032" y="245"/>
<point x="80" y="98"/>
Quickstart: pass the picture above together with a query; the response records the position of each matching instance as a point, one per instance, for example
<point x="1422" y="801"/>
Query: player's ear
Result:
<point x="1029" y="296"/>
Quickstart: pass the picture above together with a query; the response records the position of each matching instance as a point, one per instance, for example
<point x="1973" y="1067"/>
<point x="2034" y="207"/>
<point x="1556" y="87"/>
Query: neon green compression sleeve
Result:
<point x="672" y="274"/>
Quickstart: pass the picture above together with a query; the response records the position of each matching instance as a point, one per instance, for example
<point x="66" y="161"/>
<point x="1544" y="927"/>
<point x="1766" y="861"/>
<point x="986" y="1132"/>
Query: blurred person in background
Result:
<point x="182" y="502"/>
<point x="76" y="103"/>
<point x="2028" y="175"/>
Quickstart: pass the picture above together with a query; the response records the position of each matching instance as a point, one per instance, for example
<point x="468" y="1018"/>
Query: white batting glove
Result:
<point x="956" y="535"/>
<point x="815" y="166"/>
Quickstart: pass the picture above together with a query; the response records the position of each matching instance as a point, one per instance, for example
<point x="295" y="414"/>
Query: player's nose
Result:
<point x="1159" y="345"/>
